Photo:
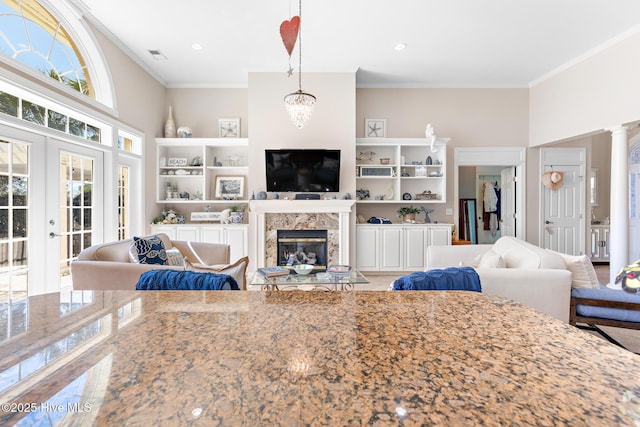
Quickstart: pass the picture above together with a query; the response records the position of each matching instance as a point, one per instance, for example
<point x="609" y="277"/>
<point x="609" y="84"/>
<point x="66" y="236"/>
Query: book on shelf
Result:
<point x="273" y="271"/>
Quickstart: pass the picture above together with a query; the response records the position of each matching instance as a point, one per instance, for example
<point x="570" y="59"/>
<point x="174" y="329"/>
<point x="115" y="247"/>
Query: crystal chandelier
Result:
<point x="299" y="104"/>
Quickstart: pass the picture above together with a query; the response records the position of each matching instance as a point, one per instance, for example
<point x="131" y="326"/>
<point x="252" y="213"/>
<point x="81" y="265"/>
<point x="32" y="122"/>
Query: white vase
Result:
<point x="170" y="126"/>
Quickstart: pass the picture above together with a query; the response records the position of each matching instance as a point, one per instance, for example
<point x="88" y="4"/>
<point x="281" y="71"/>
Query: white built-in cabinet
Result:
<point x="188" y="168"/>
<point x="394" y="170"/>
<point x="398" y="247"/>
<point x="599" y="243"/>
<point x="235" y="235"/>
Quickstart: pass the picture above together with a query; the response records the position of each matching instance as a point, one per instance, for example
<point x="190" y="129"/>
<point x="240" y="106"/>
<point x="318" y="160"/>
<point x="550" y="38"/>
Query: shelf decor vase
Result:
<point x="410" y="217"/>
<point x="237" y="217"/>
<point x="170" y="126"/>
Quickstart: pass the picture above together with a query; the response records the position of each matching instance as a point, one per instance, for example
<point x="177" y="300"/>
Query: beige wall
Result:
<point x="595" y="94"/>
<point x="470" y="117"/>
<point x="140" y="103"/>
<point x="200" y="109"/>
<point x="331" y="126"/>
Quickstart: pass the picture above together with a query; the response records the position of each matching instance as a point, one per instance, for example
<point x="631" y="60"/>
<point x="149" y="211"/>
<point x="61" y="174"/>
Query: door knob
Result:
<point x="52" y="235"/>
<point x="548" y="222"/>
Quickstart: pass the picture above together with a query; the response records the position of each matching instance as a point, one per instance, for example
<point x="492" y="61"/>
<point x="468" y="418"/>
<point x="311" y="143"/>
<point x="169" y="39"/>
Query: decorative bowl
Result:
<point x="303" y="269"/>
<point x="384" y="161"/>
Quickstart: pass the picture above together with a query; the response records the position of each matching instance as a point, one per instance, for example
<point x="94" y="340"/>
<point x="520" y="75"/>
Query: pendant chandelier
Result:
<point x="299" y="104"/>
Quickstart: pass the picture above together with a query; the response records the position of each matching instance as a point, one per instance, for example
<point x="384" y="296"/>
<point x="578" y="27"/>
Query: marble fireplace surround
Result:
<point x="269" y="216"/>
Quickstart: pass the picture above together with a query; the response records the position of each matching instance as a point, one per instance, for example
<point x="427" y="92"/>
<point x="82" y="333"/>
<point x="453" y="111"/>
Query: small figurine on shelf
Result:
<point x="427" y="211"/>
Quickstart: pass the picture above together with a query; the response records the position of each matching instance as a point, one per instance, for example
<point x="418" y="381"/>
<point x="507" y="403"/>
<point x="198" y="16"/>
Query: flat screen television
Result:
<point x="303" y="170"/>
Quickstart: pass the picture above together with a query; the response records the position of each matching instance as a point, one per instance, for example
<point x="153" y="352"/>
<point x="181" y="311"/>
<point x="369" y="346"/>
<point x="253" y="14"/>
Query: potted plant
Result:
<point x="408" y="213"/>
<point x="236" y="212"/>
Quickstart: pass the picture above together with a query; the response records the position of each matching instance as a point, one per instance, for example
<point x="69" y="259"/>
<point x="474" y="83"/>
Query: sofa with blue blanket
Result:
<point x="118" y="265"/>
<point x="514" y="269"/>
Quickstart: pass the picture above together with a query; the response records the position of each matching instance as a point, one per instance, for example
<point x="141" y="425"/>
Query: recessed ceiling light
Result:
<point x="400" y="46"/>
<point x="196" y="46"/>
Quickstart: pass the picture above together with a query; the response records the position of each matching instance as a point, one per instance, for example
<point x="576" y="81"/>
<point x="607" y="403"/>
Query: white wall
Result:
<point x="598" y="93"/>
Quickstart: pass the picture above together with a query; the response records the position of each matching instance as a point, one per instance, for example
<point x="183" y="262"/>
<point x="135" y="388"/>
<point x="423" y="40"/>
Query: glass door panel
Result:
<point x="75" y="218"/>
<point x="14" y="219"/>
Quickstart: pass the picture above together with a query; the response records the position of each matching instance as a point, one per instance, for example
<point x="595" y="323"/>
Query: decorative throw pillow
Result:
<point x="583" y="275"/>
<point x="237" y="270"/>
<point x="491" y="259"/>
<point x="175" y="257"/>
<point x="148" y="250"/>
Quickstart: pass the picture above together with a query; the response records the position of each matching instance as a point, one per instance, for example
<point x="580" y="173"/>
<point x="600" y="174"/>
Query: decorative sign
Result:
<point x="177" y="161"/>
<point x="205" y="216"/>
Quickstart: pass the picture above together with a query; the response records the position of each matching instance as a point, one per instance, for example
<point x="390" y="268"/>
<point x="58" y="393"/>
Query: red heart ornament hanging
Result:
<point x="289" y="33"/>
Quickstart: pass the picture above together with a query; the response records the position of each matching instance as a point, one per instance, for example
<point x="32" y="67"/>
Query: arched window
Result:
<point x="31" y="35"/>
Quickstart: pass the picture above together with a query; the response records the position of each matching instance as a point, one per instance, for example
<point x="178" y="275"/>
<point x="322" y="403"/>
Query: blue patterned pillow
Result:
<point x="149" y="250"/>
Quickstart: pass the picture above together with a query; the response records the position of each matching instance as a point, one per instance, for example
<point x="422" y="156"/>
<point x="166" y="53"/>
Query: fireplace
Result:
<point x="269" y="216"/>
<point x="302" y="247"/>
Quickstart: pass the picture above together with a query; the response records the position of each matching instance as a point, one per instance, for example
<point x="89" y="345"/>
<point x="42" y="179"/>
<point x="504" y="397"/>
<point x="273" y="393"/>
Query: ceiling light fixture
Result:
<point x="400" y="46"/>
<point x="299" y="104"/>
<point x="196" y="46"/>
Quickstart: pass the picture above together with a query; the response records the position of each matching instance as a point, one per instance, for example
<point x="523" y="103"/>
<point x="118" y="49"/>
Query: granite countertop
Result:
<point x="305" y="358"/>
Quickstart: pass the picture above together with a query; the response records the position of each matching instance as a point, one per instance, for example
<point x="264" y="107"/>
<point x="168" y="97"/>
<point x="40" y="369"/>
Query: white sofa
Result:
<point x="533" y="276"/>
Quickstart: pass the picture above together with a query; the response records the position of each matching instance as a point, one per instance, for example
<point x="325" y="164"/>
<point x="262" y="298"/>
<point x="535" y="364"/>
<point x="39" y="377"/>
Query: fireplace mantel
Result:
<point x="260" y="209"/>
<point x="301" y="206"/>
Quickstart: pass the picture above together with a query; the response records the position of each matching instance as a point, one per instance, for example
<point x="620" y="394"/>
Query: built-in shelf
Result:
<point x="413" y="172"/>
<point x="188" y="168"/>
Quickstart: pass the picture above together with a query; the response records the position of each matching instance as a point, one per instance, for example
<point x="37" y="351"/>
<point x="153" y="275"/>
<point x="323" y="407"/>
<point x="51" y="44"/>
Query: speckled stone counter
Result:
<point x="305" y="358"/>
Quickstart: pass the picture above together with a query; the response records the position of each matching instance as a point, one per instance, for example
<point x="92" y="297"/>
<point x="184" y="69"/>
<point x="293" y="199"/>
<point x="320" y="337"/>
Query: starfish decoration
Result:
<point x="290" y="71"/>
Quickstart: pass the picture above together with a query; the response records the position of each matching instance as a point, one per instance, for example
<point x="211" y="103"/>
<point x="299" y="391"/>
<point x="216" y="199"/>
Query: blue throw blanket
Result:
<point x="448" y="279"/>
<point x="174" y="280"/>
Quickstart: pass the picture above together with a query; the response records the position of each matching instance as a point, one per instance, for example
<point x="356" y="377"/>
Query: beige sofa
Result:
<point x="108" y="266"/>
<point x="514" y="269"/>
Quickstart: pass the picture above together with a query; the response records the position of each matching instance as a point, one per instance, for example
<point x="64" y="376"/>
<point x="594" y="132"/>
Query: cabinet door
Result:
<point x="169" y="230"/>
<point x="236" y="237"/>
<point x="595" y="244"/>
<point x="391" y="248"/>
<point x="212" y="234"/>
<point x="439" y="236"/>
<point x="189" y="233"/>
<point x="367" y="248"/>
<point x="604" y="245"/>
<point x="415" y="243"/>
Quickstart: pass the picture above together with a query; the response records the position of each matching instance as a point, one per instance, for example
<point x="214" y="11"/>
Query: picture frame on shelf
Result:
<point x="375" y="128"/>
<point x="229" y="127"/>
<point x="229" y="187"/>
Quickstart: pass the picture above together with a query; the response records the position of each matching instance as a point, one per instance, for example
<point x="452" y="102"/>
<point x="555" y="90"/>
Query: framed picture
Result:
<point x="375" y="128"/>
<point x="229" y="128"/>
<point x="230" y="187"/>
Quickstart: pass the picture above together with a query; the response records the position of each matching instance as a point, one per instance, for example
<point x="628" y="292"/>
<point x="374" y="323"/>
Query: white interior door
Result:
<point x="74" y="207"/>
<point x="508" y="202"/>
<point x="563" y="212"/>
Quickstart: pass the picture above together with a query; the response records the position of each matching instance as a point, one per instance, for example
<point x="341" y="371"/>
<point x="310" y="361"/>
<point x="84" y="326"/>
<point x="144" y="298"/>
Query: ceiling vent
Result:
<point x="157" y="55"/>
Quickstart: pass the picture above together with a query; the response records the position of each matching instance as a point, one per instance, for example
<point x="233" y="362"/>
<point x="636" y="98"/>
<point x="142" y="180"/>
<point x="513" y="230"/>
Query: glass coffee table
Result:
<point x="309" y="282"/>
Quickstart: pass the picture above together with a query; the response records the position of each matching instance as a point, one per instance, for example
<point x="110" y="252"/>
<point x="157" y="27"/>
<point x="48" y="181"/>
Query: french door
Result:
<point x="74" y="207"/>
